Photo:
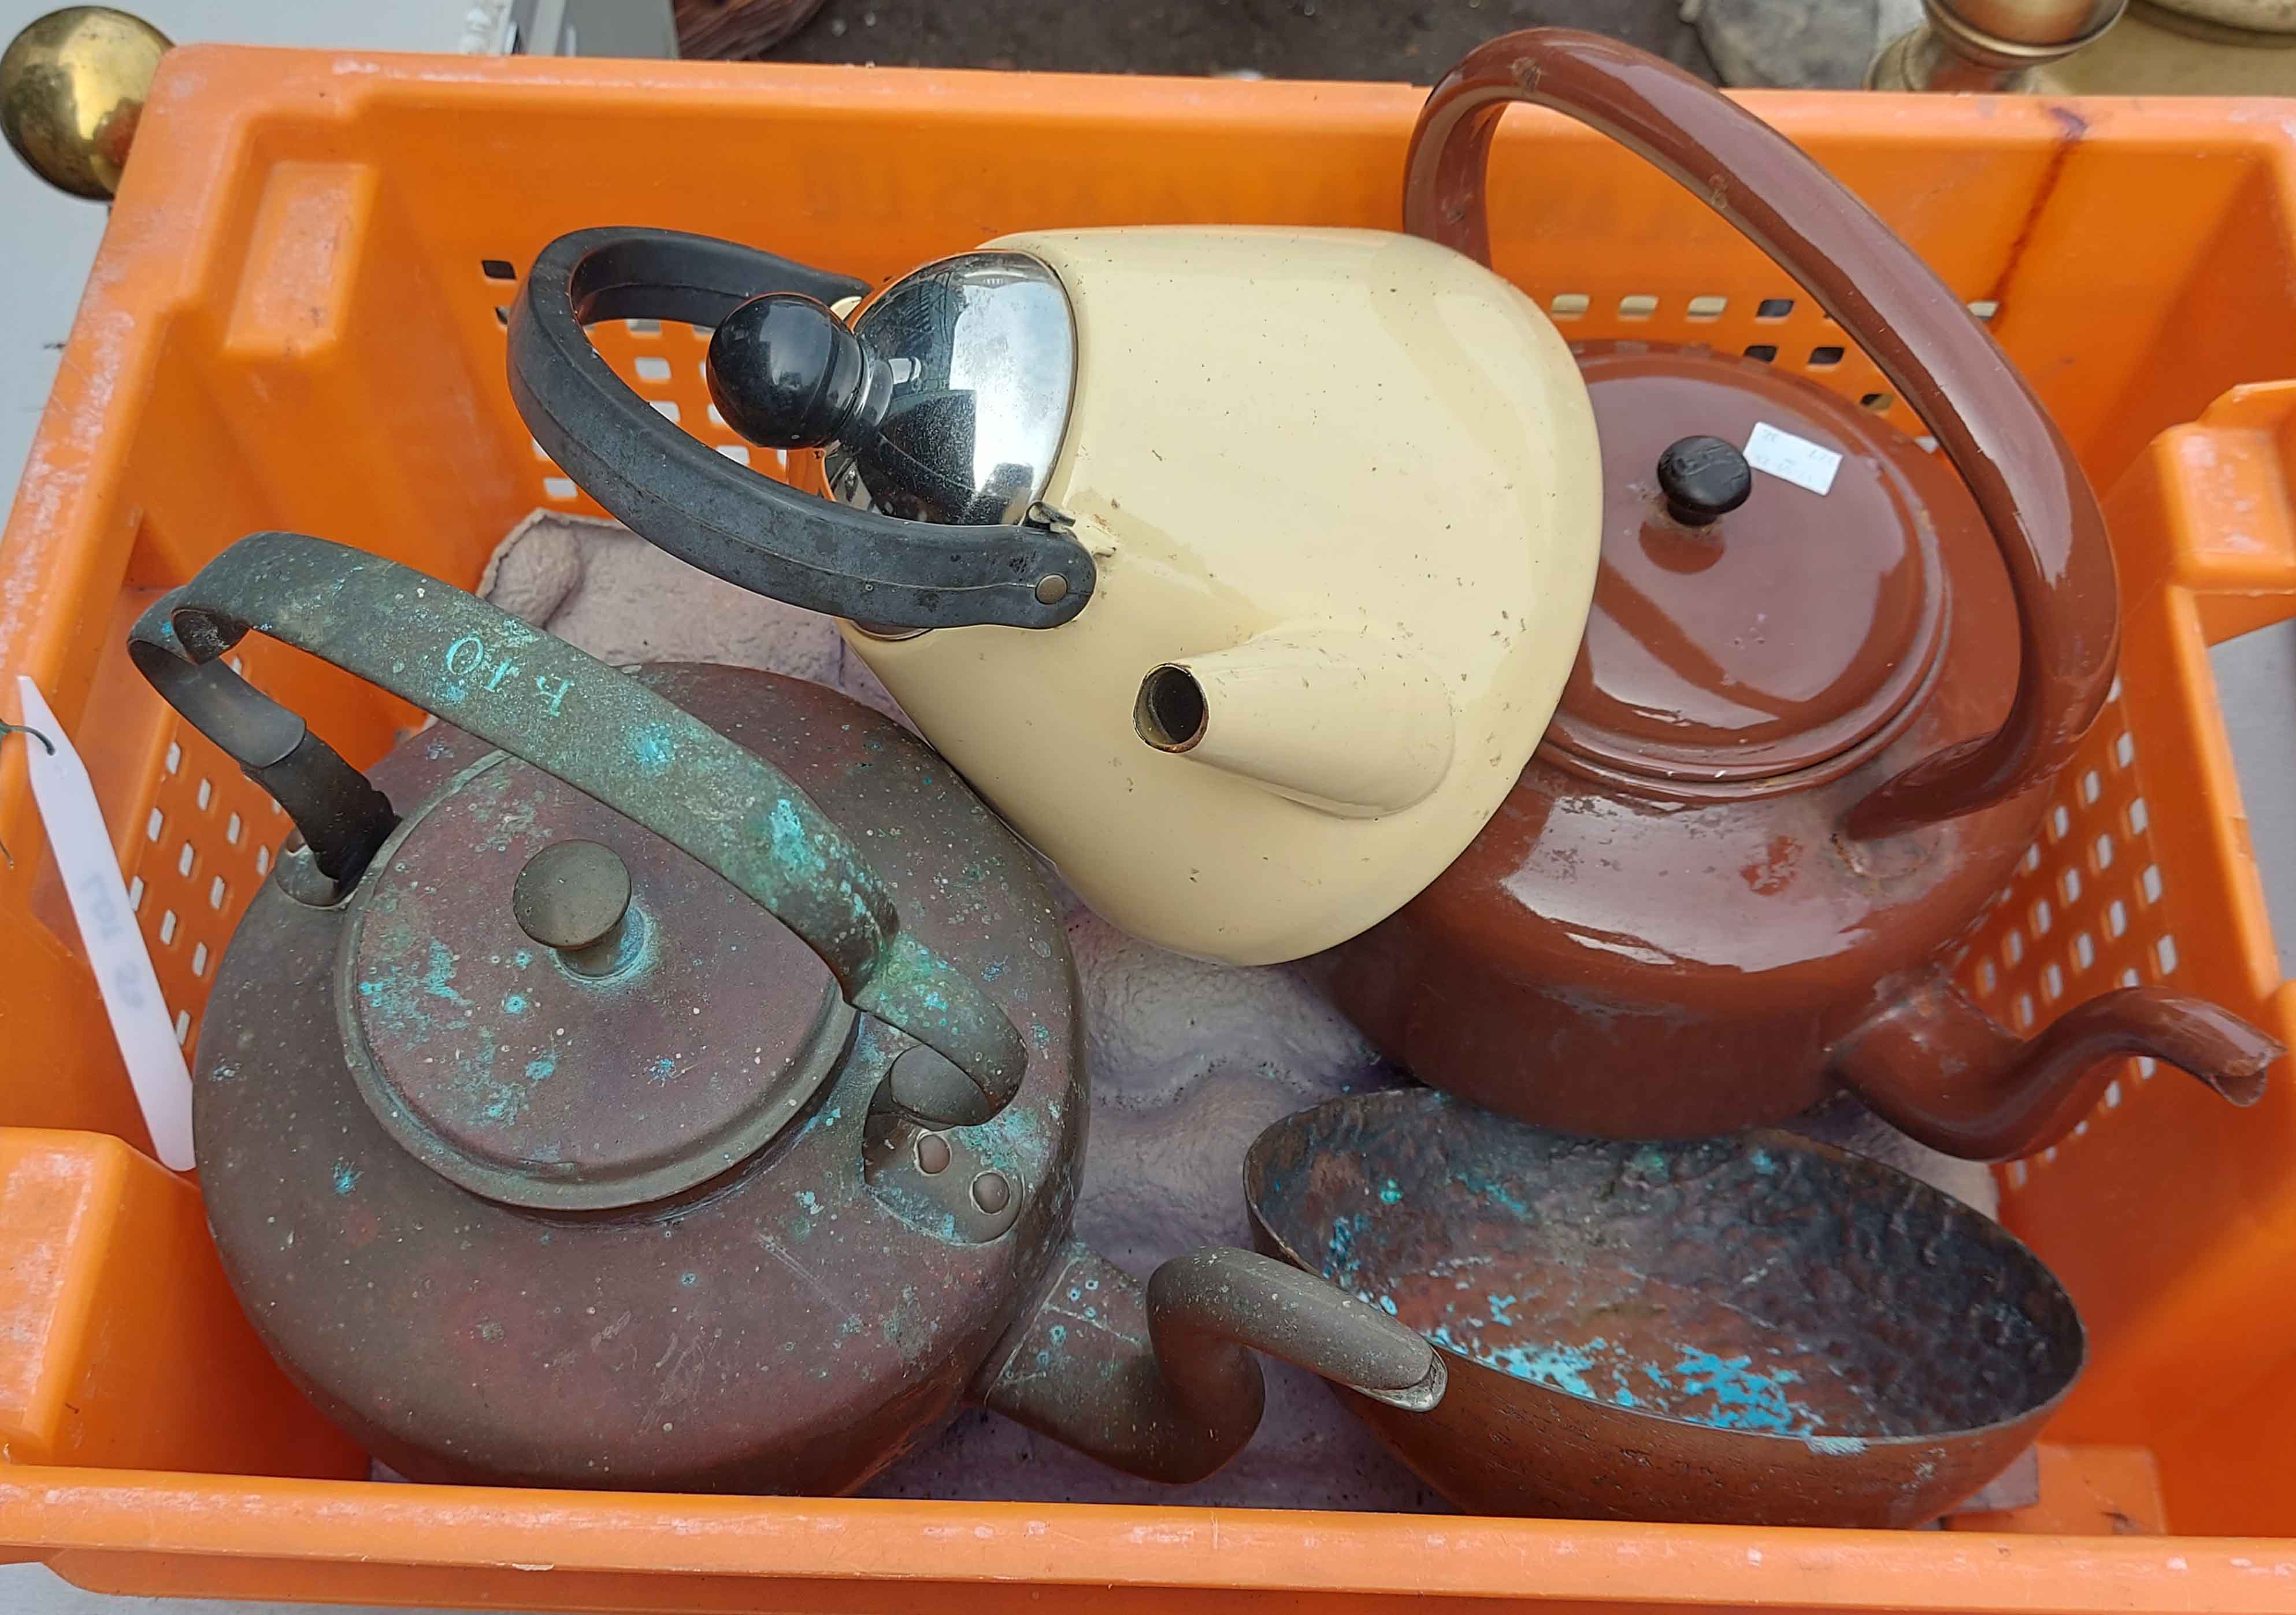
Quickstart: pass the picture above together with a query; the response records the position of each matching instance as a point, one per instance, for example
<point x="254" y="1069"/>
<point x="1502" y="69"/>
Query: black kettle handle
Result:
<point x="571" y="715"/>
<point x="670" y="487"/>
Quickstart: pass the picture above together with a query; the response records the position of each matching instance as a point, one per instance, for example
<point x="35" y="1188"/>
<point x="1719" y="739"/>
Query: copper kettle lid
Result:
<point x="560" y="1009"/>
<point x="1771" y="598"/>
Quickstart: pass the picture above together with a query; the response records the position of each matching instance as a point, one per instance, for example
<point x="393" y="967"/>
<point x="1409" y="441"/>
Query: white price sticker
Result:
<point x="1797" y="460"/>
<point x="66" y="800"/>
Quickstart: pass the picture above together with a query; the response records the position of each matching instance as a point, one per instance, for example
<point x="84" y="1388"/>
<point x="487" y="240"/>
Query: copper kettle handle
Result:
<point x="600" y="731"/>
<point x="2033" y="495"/>
<point x="1160" y="1380"/>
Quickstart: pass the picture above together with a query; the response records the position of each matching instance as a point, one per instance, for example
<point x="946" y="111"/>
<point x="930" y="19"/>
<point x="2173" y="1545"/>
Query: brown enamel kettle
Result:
<point x="588" y="1100"/>
<point x="1825" y="683"/>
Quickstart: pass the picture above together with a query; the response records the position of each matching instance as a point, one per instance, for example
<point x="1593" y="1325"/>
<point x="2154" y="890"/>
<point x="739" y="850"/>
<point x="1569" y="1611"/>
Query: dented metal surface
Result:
<point x="1755" y="1329"/>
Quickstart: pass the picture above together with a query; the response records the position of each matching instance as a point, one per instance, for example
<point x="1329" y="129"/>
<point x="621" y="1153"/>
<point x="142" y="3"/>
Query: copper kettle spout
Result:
<point x="1159" y="1382"/>
<point x="1936" y="1066"/>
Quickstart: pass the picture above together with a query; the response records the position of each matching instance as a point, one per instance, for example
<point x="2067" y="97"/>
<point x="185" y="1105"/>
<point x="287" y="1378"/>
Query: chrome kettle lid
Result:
<point x="785" y="372"/>
<point x="979" y="356"/>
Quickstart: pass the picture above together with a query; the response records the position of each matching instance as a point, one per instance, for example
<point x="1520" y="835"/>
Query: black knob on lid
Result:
<point x="786" y="373"/>
<point x="1703" y="479"/>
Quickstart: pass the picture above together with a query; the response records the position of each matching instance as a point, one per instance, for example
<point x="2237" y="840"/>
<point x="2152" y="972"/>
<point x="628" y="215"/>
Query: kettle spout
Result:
<point x="1350" y="723"/>
<point x="1159" y="1383"/>
<point x="1935" y="1066"/>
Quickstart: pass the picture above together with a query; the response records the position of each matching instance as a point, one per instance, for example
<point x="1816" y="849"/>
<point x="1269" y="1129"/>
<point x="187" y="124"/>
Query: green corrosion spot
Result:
<point x="1492" y="1190"/>
<point x="793" y="849"/>
<point x="347" y="1177"/>
<point x="537" y="1070"/>
<point x="514" y="1004"/>
<point x="1743" y="1396"/>
<point x="654" y="748"/>
<point x="438" y="980"/>
<point x="1563" y="1367"/>
<point x="1340" y="1250"/>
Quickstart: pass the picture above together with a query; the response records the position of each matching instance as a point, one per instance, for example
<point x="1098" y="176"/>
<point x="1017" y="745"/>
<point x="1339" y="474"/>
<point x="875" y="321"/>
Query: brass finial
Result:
<point x="72" y="85"/>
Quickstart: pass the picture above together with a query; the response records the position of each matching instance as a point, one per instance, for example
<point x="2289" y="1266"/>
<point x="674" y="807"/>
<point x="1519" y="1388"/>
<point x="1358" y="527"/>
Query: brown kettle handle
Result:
<point x="2033" y="494"/>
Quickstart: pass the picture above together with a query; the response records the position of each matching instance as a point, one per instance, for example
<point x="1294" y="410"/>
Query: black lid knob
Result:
<point x="786" y="373"/>
<point x="1703" y="479"/>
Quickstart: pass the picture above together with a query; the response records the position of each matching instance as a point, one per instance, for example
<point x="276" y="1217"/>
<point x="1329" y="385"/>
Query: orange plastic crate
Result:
<point x="293" y="324"/>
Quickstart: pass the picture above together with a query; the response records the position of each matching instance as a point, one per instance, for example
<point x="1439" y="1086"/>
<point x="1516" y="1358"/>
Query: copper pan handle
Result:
<point x="2018" y="466"/>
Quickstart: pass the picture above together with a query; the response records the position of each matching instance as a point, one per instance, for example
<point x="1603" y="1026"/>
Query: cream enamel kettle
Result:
<point x="1241" y="569"/>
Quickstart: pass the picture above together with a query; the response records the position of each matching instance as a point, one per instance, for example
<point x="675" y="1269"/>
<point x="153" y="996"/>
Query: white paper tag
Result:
<point x="82" y="846"/>
<point x="1798" y="459"/>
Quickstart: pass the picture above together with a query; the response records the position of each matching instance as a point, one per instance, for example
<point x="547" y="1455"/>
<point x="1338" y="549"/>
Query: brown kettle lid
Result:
<point x="1750" y="631"/>
<point x="560" y="1009"/>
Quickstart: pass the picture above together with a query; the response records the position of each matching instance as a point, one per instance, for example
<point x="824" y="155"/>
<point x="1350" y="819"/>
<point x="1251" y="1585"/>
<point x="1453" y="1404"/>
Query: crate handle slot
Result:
<point x="677" y="491"/>
<point x="600" y="731"/>
<point x="1942" y="360"/>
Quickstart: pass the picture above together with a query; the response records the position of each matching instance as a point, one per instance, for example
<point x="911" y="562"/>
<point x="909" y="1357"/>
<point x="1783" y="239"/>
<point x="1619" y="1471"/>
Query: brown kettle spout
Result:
<point x="1161" y="1382"/>
<point x="1935" y="1066"/>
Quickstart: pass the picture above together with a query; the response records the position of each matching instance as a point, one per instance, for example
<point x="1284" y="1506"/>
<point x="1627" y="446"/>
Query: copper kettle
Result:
<point x="580" y="1103"/>
<point x="1825" y="683"/>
